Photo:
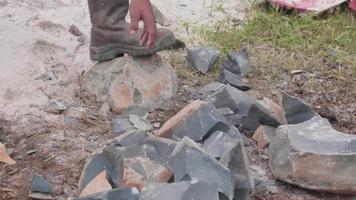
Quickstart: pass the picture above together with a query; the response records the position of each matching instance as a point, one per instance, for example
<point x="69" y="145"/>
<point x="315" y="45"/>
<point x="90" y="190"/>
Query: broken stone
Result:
<point x="190" y="162"/>
<point x="124" y="194"/>
<point x="225" y="111"/>
<point x="44" y="77"/>
<point x="127" y="81"/>
<point x="163" y="146"/>
<point x="258" y="115"/>
<point x="227" y="77"/>
<point x="140" y="123"/>
<point x="274" y="108"/>
<point x="99" y="184"/>
<point x="134" y="110"/>
<point x="40" y="185"/>
<point x="220" y="142"/>
<point x="41" y="196"/>
<point x="314" y="156"/>
<point x="295" y="110"/>
<point x="236" y="160"/>
<point x="209" y="89"/>
<point x="4" y="157"/>
<point x="249" y="113"/>
<point x="196" y="124"/>
<point x="131" y="138"/>
<point x="138" y="165"/>
<point x="56" y="106"/>
<point x="121" y="125"/>
<point x="238" y="63"/>
<point x="263" y="136"/>
<point x="94" y="167"/>
<point x="203" y="59"/>
<point x="184" y="190"/>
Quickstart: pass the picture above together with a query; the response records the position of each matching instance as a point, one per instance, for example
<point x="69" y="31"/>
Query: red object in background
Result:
<point x="352" y="5"/>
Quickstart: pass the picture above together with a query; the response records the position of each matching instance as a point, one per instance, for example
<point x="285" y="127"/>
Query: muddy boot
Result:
<point x="110" y="36"/>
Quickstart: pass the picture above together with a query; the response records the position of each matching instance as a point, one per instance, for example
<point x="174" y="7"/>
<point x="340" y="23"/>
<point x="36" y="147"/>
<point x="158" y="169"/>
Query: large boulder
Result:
<point x="128" y="81"/>
<point x="313" y="155"/>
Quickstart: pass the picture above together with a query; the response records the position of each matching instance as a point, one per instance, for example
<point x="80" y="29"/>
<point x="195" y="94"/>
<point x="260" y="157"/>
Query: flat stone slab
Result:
<point x="313" y="155"/>
<point x="203" y="59"/>
<point x="127" y="81"/>
<point x="238" y="63"/>
<point x="122" y="194"/>
<point x="237" y="81"/>
<point x="40" y="185"/>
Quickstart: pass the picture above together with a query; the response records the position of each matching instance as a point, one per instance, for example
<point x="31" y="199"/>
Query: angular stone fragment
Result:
<point x="227" y="77"/>
<point x="127" y="81"/>
<point x="99" y="184"/>
<point x="209" y="89"/>
<point x="220" y="142"/>
<point x="248" y="112"/>
<point x="236" y="160"/>
<point x="121" y="125"/>
<point x="96" y="165"/>
<point x="122" y="194"/>
<point x="4" y="157"/>
<point x="163" y="146"/>
<point x="190" y="162"/>
<point x="40" y="185"/>
<point x="196" y="124"/>
<point x="263" y="136"/>
<point x="274" y="108"/>
<point x="140" y="123"/>
<point x="295" y="110"/>
<point x="258" y="115"/>
<point x="313" y="155"/>
<point x="138" y="164"/>
<point x="131" y="138"/>
<point x="184" y="190"/>
<point x="40" y="196"/>
<point x="203" y="59"/>
<point x="238" y="63"/>
<point x="172" y="123"/>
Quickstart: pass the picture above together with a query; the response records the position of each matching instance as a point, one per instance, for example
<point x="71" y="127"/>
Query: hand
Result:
<point x="142" y="10"/>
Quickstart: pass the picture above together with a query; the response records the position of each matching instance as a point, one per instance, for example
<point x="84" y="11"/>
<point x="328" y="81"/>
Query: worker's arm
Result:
<point x="142" y="10"/>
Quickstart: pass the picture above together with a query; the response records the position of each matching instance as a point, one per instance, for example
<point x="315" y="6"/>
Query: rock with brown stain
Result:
<point x="313" y="155"/>
<point x="4" y="157"/>
<point x="128" y="81"/>
<point x="99" y="184"/>
<point x="263" y="136"/>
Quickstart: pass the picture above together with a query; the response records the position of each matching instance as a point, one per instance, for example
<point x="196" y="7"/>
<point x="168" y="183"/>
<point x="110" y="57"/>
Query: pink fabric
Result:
<point x="353" y="5"/>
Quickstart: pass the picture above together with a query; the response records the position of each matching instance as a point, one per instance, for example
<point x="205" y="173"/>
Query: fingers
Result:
<point x="152" y="32"/>
<point x="135" y="18"/>
<point x="144" y="37"/>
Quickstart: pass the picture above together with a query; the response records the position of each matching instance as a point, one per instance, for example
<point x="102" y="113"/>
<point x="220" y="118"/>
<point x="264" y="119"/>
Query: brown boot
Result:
<point x="110" y="36"/>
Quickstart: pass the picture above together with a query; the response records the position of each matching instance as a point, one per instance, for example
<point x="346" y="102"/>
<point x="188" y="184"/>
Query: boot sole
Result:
<point x="111" y="51"/>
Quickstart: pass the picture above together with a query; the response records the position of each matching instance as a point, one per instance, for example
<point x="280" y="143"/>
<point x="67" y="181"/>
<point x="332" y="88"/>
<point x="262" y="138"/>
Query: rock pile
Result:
<point x="200" y="153"/>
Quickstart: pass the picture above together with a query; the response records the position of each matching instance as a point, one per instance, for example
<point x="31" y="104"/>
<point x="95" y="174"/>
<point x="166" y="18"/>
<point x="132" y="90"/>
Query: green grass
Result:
<point x="313" y="36"/>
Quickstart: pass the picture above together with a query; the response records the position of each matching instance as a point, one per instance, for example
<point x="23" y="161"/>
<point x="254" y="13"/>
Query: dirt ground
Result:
<point x="35" y="41"/>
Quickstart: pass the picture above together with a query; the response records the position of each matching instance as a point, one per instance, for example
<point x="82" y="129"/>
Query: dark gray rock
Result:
<point x="121" y="125"/>
<point x="134" y="110"/>
<point x="40" y="185"/>
<point x="140" y="123"/>
<point x="228" y="77"/>
<point x="184" y="190"/>
<point x="220" y="142"/>
<point x="248" y="112"/>
<point x="199" y="124"/>
<point x="236" y="160"/>
<point x="259" y="115"/>
<point x="295" y="110"/>
<point x="40" y="196"/>
<point x="203" y="59"/>
<point x="209" y="89"/>
<point x="117" y="194"/>
<point x="163" y="146"/>
<point x="238" y="62"/>
<point x="131" y="138"/>
<point x="313" y="155"/>
<point x="190" y="161"/>
<point x="97" y="164"/>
